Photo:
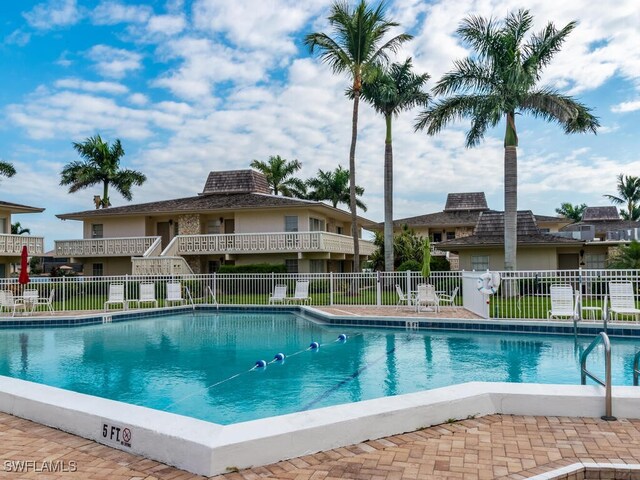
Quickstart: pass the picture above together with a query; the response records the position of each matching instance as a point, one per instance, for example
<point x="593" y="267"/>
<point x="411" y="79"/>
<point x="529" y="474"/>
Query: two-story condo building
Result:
<point x="235" y="220"/>
<point x="11" y="245"/>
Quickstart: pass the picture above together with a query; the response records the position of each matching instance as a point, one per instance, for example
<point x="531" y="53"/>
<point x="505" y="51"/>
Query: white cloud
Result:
<point x="17" y="37"/>
<point x="53" y="14"/>
<point x="105" y="87"/>
<point x="139" y="99"/>
<point x="114" y="62"/>
<point x="166" y="24"/>
<point x="113" y="12"/>
<point x="624" y="107"/>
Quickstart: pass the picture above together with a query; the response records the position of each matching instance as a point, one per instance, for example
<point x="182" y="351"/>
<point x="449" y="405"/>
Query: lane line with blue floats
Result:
<point x="262" y="365"/>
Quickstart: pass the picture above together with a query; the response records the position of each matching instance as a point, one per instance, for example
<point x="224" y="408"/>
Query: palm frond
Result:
<point x="7" y="169"/>
<point x="553" y="106"/>
<point x="468" y="74"/>
<point x="541" y="48"/>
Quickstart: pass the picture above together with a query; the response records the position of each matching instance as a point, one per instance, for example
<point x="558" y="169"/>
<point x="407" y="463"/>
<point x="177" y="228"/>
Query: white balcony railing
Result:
<point x="104" y="247"/>
<point x="160" y="266"/>
<point x="243" y="243"/>
<point x="12" y="244"/>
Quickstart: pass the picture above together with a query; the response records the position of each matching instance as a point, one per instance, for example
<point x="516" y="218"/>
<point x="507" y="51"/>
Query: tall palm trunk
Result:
<point x="105" y="194"/>
<point x="352" y="175"/>
<point x="510" y="194"/>
<point x="388" y="198"/>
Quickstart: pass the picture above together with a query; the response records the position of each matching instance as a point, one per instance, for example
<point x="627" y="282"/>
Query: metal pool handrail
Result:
<point x="636" y="369"/>
<point x="193" y="306"/>
<point x="607" y="371"/>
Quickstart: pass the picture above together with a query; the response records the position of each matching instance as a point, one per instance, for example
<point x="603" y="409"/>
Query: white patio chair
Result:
<point x="448" y="299"/>
<point x="147" y="294"/>
<point x="46" y="301"/>
<point x="301" y="293"/>
<point x="562" y="302"/>
<point x="622" y="300"/>
<point x="8" y="301"/>
<point x="116" y="296"/>
<point x="427" y="296"/>
<point x="174" y="293"/>
<point x="402" y="297"/>
<point x="279" y="294"/>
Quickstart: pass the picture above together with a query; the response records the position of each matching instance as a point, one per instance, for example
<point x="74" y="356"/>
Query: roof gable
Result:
<point x="492" y="224"/>
<point x="466" y="201"/>
<point x="592" y="214"/>
<point x="236" y="181"/>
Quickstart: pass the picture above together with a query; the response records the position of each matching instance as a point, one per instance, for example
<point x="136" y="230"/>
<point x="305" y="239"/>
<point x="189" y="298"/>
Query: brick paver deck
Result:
<point x="494" y="446"/>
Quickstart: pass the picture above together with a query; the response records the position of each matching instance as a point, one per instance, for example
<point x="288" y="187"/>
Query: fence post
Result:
<point x="331" y="288"/>
<point x="408" y="283"/>
<point x="378" y="289"/>
<point x="64" y="295"/>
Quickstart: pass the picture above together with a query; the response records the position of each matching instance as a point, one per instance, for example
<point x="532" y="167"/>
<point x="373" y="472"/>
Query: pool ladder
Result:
<point x="604" y="338"/>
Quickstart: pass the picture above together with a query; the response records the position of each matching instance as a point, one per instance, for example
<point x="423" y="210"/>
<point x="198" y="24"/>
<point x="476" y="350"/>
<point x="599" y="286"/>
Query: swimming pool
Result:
<point x="201" y="365"/>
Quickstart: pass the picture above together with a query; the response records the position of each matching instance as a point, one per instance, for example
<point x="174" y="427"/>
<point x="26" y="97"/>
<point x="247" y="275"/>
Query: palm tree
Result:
<point x="393" y="91"/>
<point x="500" y="82"/>
<point x="628" y="256"/>
<point x="279" y="173"/>
<point x="7" y="169"/>
<point x="629" y="195"/>
<point x="572" y="212"/>
<point x="101" y="164"/>
<point x="333" y="187"/>
<point x="357" y="48"/>
<point x="17" y="229"/>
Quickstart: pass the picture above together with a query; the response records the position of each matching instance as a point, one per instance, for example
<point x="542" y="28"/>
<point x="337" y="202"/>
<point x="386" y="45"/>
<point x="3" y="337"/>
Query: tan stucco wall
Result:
<point x="6" y="214"/>
<point x="111" y="266"/>
<point x="534" y="258"/>
<point x="117" y="227"/>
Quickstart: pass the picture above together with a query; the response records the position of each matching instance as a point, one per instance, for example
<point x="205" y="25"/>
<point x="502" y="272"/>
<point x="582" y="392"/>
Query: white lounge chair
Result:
<point x="402" y="297"/>
<point x="279" y="294"/>
<point x="448" y="299"/>
<point x="8" y="301"/>
<point x="562" y="302"/>
<point x="301" y="293"/>
<point x="622" y="300"/>
<point x="147" y="295"/>
<point x="174" y="293"/>
<point x="46" y="301"/>
<point x="116" y="296"/>
<point x="427" y="296"/>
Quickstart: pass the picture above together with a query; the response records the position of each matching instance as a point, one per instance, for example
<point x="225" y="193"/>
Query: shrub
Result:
<point x="254" y="268"/>
<point x="439" y="264"/>
<point x="411" y="265"/>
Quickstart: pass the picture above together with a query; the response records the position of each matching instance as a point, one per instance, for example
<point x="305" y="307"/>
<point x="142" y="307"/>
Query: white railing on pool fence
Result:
<point x="524" y="294"/>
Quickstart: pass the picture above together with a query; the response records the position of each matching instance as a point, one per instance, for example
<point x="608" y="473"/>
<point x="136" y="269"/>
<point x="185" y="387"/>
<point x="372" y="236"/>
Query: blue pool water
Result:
<point x="171" y="363"/>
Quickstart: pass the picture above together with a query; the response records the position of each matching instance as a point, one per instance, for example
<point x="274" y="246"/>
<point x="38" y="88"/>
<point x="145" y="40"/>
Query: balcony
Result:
<point x="247" y="243"/>
<point x="104" y="247"/>
<point x="11" y="245"/>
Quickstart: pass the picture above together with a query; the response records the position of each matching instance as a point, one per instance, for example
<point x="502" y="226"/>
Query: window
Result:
<point x="451" y="235"/>
<point x="97" y="270"/>
<point x="437" y="237"/>
<point x="339" y="230"/>
<point x="291" y="264"/>
<point x="97" y="230"/>
<point x="480" y="262"/>
<point x="290" y="223"/>
<point x="596" y="260"/>
<point x="316" y="225"/>
<point x="316" y="266"/>
<point x="3" y="225"/>
<point x="214" y="227"/>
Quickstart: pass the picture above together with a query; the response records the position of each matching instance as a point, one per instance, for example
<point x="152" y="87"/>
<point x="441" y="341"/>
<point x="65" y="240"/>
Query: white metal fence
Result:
<point x="523" y="294"/>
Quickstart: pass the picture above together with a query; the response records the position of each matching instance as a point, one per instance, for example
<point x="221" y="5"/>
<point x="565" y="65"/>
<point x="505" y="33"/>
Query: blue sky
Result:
<point x="194" y="86"/>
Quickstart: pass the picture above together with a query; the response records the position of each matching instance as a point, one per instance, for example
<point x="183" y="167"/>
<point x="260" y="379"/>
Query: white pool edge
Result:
<point x="207" y="449"/>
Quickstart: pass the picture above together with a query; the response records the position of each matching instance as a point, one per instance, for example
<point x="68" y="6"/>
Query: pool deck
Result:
<point x="494" y="446"/>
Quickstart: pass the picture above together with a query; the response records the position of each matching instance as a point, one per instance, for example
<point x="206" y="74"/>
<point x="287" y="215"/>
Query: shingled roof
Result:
<point x="17" y="208"/>
<point x="466" y="201"/>
<point x="595" y="214"/>
<point x="236" y="181"/>
<point x="489" y="231"/>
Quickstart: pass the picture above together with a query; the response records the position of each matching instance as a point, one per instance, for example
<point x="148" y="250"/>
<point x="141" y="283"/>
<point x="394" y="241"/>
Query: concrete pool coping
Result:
<point x="206" y="448"/>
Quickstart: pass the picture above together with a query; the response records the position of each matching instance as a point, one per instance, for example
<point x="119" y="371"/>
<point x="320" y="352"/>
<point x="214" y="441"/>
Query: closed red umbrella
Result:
<point x="23" y="279"/>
